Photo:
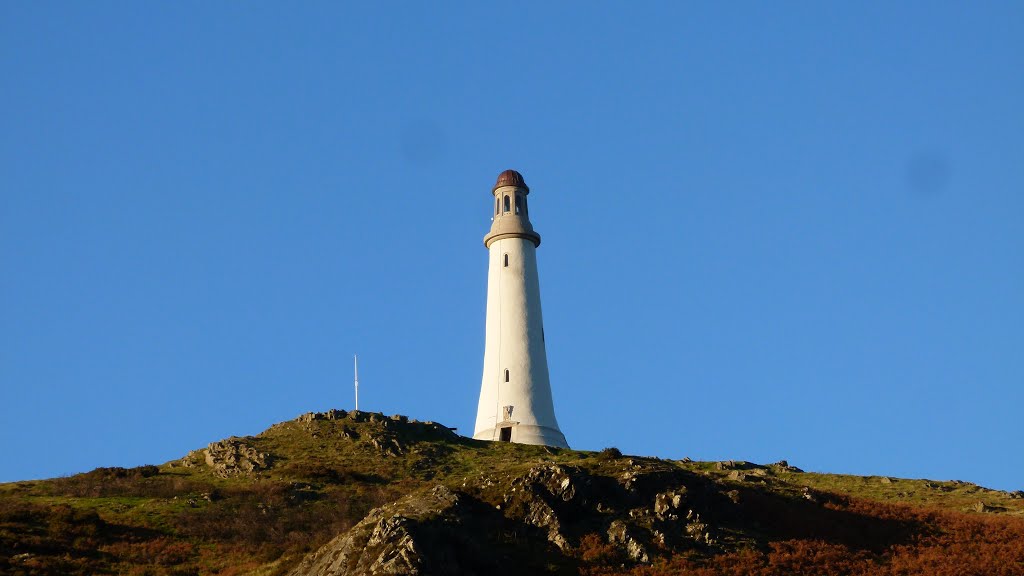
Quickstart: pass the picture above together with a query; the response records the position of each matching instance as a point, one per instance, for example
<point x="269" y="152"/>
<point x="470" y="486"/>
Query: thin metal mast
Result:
<point x="355" y="357"/>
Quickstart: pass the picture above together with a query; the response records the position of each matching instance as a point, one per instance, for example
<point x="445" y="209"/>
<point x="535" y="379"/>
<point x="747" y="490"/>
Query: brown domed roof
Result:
<point x="511" y="178"/>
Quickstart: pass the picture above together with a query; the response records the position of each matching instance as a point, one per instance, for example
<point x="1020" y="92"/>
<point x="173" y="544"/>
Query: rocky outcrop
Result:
<point x="755" y="475"/>
<point x="535" y="493"/>
<point x="783" y="466"/>
<point x="388" y="436"/>
<point x="383" y="542"/>
<point x="697" y="529"/>
<point x="621" y="534"/>
<point x="666" y="503"/>
<point x="435" y="532"/>
<point x="732" y="465"/>
<point x="329" y="415"/>
<point x="233" y="457"/>
<point x="544" y="511"/>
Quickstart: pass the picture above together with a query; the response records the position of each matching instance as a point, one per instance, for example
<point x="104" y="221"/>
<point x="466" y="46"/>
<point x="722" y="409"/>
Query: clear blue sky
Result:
<point x="771" y="230"/>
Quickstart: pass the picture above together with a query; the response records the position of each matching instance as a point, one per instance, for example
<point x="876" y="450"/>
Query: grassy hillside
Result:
<point x="259" y="505"/>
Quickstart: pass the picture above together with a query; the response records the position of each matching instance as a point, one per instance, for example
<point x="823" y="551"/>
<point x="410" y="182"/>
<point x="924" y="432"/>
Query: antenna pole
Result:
<point x="355" y="357"/>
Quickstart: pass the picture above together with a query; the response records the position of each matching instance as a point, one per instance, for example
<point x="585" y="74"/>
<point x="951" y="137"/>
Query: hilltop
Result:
<point x="362" y="493"/>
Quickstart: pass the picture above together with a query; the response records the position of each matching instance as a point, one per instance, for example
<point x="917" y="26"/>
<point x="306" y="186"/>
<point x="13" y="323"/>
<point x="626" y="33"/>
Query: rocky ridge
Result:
<point x="641" y="508"/>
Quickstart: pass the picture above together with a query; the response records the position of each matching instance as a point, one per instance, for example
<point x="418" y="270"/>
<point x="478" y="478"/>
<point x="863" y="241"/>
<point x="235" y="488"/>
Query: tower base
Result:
<point x="523" y="434"/>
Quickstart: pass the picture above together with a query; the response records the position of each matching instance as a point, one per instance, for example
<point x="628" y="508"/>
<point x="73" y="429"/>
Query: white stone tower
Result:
<point x="515" y="395"/>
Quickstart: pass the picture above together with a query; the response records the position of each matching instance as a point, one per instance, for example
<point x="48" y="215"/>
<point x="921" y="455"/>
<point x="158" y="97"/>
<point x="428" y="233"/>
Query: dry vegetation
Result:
<point x="938" y="543"/>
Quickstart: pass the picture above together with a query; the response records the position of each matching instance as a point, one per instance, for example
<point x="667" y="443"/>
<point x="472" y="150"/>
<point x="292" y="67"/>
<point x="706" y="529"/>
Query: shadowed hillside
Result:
<point x="362" y="493"/>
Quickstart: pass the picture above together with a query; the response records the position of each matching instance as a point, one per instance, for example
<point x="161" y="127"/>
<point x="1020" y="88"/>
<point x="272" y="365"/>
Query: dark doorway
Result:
<point x="505" y="435"/>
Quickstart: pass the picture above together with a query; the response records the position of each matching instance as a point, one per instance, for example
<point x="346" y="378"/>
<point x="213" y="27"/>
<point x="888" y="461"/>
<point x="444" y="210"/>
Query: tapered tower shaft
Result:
<point x="515" y="391"/>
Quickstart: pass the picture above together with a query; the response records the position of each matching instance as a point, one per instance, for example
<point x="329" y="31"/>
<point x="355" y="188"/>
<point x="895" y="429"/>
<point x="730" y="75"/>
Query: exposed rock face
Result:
<point x="232" y="457"/>
<point x="437" y="532"/>
<point x="535" y="493"/>
<point x="543" y="512"/>
<point x="388" y="445"/>
<point x="698" y="530"/>
<point x="666" y="503"/>
<point x="383" y="542"/>
<point x="619" y="533"/>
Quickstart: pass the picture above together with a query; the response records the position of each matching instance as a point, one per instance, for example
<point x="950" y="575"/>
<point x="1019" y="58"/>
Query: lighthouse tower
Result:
<point x="515" y="394"/>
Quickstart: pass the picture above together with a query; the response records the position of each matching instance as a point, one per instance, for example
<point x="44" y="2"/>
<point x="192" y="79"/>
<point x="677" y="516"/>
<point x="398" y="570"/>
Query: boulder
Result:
<point x="621" y="535"/>
<point x="752" y="476"/>
<point x="666" y="503"/>
<point x="233" y="457"/>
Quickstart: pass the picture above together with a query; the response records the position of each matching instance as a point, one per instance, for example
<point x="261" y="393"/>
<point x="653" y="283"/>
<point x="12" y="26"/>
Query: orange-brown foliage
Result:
<point x="594" y="550"/>
<point x="943" y="544"/>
